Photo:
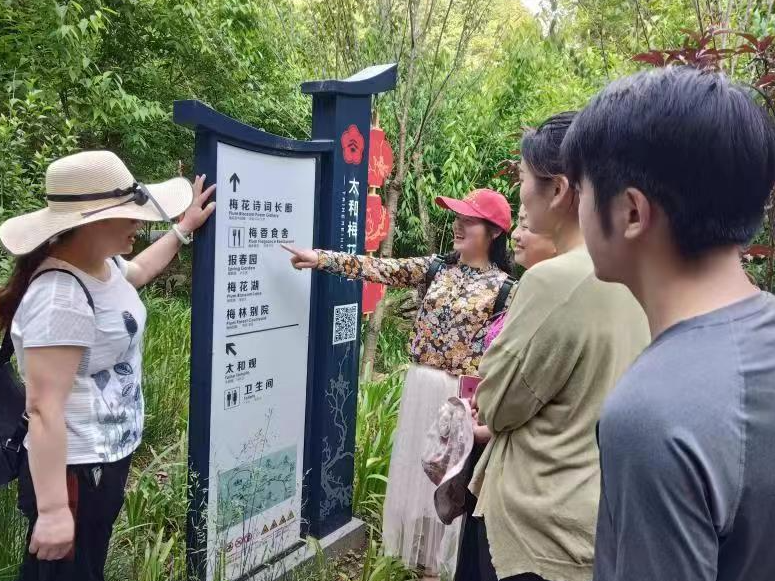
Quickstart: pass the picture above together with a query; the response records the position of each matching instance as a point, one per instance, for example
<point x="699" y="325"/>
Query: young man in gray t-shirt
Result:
<point x="674" y="167"/>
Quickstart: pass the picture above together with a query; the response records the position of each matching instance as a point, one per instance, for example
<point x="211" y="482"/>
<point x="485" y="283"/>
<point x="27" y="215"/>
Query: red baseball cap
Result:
<point x="485" y="204"/>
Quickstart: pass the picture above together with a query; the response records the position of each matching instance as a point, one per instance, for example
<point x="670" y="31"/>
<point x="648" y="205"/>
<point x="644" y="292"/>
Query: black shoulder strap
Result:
<point x="503" y="294"/>
<point x="6" y="349"/>
<point x="436" y="263"/>
<point x="71" y="273"/>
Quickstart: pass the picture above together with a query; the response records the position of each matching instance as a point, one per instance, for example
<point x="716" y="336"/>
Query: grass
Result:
<point x="372" y="565"/>
<point x="378" y="403"/>
<point x="166" y="353"/>
<point x="149" y="537"/>
<point x="377" y="416"/>
<point x="12" y="533"/>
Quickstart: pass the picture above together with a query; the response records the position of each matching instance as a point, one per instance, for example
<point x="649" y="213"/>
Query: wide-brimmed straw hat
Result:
<point x="88" y="187"/>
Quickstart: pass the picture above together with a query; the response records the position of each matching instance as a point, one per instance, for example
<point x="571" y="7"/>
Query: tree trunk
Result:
<point x="375" y="321"/>
<point x="422" y="207"/>
<point x="370" y="342"/>
<point x="425" y="222"/>
<point x="726" y="22"/>
<point x="408" y="145"/>
<point x="394" y="191"/>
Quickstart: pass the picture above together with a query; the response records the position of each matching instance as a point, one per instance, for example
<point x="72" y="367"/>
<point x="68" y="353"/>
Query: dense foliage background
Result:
<point x="104" y="74"/>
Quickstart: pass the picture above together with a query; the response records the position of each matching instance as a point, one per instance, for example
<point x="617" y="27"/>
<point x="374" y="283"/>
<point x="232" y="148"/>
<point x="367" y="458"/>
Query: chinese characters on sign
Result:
<point x="348" y="224"/>
<point x="352" y="199"/>
<point x="255" y="438"/>
<point x="260" y="347"/>
<point x="265" y="227"/>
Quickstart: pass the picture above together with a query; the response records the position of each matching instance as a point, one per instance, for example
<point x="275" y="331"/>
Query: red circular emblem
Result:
<point x="352" y="145"/>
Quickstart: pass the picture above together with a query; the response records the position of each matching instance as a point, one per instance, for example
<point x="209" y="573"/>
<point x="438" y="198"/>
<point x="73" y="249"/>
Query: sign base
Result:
<point x="350" y="537"/>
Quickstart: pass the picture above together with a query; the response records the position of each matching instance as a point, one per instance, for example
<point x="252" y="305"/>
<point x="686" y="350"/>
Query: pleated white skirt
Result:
<point x="411" y="528"/>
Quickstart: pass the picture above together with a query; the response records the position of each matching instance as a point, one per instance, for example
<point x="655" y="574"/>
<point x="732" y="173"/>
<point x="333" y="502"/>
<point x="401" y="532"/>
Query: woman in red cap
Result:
<point x="460" y="292"/>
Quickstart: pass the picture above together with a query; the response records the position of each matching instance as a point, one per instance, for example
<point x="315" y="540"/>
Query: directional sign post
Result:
<point x="274" y="363"/>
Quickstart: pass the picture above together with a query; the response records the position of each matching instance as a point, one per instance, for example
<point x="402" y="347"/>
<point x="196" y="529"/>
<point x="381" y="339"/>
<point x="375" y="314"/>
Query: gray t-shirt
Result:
<point x="687" y="451"/>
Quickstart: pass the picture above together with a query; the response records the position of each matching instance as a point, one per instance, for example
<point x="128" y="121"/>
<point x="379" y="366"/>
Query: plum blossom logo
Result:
<point x="352" y="145"/>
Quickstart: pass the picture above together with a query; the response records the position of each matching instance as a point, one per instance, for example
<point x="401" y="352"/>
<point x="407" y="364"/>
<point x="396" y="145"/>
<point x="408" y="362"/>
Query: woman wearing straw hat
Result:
<point x="76" y="321"/>
<point x="463" y="289"/>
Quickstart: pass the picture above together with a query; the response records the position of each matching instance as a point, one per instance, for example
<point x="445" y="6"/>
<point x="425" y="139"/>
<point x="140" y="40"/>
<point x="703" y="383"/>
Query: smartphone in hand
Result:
<point x="468" y="385"/>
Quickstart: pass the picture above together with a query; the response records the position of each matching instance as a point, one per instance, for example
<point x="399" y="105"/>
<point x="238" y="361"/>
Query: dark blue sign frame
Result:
<point x="212" y="128"/>
<point x="340" y="108"/>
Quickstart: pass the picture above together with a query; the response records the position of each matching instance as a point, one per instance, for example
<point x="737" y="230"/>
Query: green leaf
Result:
<point x="61" y="10"/>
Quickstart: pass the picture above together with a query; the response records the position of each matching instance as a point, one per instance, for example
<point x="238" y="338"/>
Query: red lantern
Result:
<point x="377" y="218"/>
<point x="380" y="158"/>
<point x="372" y="294"/>
<point x="377" y="222"/>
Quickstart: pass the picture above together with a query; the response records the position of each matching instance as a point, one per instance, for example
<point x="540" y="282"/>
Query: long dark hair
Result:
<point x="12" y="293"/>
<point x="498" y="253"/>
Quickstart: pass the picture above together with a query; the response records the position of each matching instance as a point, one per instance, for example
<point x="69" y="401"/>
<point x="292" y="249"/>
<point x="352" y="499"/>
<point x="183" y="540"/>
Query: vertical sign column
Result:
<point x="341" y="112"/>
<point x="260" y="333"/>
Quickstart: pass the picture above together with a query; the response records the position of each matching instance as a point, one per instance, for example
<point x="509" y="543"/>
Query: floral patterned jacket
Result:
<point x="452" y="320"/>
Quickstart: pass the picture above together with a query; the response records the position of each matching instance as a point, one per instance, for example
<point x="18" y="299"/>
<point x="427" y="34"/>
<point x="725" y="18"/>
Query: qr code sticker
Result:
<point x="345" y="323"/>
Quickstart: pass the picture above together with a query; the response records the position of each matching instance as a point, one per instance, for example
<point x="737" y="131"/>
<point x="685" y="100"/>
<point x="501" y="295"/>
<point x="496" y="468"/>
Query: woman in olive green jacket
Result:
<point x="567" y="338"/>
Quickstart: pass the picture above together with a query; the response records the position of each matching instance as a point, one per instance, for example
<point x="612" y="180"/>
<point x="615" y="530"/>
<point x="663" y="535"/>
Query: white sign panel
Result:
<point x="260" y="341"/>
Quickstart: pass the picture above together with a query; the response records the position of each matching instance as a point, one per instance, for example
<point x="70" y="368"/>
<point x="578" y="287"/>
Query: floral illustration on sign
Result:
<point x="336" y="492"/>
<point x="352" y="145"/>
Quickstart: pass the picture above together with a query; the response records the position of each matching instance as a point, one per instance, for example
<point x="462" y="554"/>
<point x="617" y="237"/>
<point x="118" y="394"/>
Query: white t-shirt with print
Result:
<point x="104" y="413"/>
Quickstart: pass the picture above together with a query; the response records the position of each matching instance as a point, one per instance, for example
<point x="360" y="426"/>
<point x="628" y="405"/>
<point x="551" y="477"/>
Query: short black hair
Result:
<point x="691" y="141"/>
<point x="541" y="146"/>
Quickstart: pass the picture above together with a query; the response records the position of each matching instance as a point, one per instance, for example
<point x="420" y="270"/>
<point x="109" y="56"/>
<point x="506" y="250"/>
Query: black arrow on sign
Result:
<point x="230" y="350"/>
<point x="234" y="179"/>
